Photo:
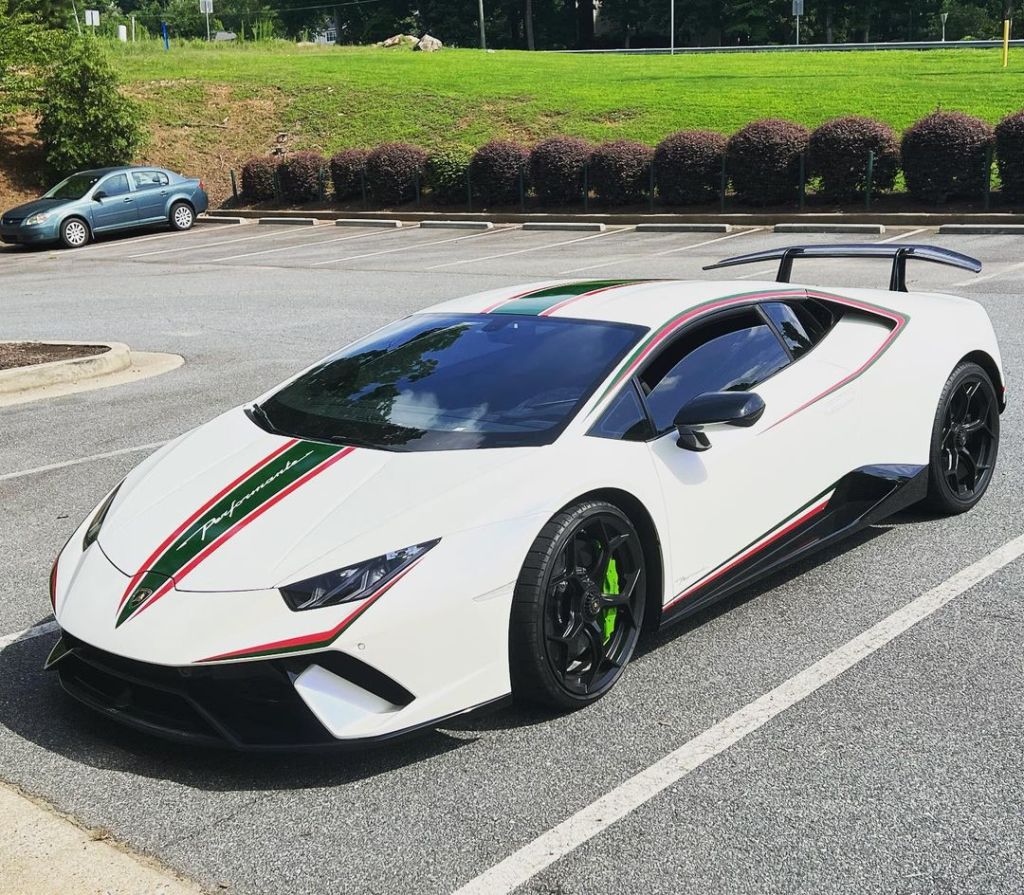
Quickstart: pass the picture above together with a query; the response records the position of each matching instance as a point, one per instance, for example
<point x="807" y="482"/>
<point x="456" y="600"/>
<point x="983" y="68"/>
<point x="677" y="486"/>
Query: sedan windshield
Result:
<point x="76" y="186"/>
<point x="442" y="381"/>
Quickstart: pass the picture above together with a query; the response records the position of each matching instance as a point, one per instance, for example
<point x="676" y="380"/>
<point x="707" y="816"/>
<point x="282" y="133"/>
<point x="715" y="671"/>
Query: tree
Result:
<point x="23" y="43"/>
<point x="85" y="121"/>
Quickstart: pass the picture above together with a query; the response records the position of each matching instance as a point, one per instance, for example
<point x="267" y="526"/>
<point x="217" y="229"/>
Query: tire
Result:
<point x="965" y="441"/>
<point x="74" y="233"/>
<point x="182" y="216"/>
<point x="554" y="597"/>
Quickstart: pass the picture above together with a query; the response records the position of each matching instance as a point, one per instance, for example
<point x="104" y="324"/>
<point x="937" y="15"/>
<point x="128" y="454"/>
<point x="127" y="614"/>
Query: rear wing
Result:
<point x="897" y="253"/>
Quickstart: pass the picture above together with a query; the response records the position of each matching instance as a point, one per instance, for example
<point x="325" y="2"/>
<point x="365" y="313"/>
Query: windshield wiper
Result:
<point x="259" y="416"/>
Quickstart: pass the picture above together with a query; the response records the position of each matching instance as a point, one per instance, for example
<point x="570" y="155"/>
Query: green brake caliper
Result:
<point x="610" y="589"/>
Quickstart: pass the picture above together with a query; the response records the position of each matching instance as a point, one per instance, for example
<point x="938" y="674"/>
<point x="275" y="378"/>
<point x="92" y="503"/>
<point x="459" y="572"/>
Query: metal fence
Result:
<point x="812" y="48"/>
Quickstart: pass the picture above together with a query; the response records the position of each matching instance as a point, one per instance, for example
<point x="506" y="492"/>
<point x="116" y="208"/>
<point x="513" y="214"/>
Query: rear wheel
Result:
<point x="182" y="216"/>
<point x="74" y="233"/>
<point x="965" y="441"/>
<point x="578" y="607"/>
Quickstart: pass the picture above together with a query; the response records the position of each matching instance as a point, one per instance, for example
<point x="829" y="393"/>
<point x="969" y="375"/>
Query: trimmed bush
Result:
<point x="838" y="154"/>
<point x="763" y="161"/>
<point x="1010" y="155"/>
<point x="495" y="170"/>
<point x="620" y="172"/>
<point x="300" y="176"/>
<point x="446" y="174"/>
<point x="347" y="168"/>
<point x="556" y="169"/>
<point x="688" y="167"/>
<point x="258" y="177"/>
<point x="944" y="157"/>
<point x="392" y="170"/>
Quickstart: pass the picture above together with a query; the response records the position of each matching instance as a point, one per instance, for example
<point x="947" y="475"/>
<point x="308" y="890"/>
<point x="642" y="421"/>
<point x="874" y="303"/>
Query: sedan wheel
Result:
<point x="578" y="607"/>
<point x="182" y="216"/>
<point x="965" y="441"/>
<point x="74" y="233"/>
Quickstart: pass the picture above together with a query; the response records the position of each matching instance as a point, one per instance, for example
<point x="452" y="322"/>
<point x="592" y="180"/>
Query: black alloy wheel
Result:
<point x="578" y="607"/>
<point x="965" y="441"/>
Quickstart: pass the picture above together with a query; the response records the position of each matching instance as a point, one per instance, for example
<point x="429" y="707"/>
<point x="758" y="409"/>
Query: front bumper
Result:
<point x="248" y="706"/>
<point x="18" y="234"/>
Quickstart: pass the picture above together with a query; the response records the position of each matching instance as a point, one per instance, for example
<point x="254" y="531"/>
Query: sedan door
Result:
<point x="151" y="190"/>
<point x="114" y="204"/>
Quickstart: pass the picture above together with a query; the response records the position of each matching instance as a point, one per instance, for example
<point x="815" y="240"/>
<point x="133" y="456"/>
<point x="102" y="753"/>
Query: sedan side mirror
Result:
<point x="98" y="196"/>
<point x="731" y="408"/>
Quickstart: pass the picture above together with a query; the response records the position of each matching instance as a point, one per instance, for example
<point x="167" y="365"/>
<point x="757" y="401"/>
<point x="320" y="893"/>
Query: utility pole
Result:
<point x="483" y="35"/>
<point x="672" y="28"/>
<point x="798" y="10"/>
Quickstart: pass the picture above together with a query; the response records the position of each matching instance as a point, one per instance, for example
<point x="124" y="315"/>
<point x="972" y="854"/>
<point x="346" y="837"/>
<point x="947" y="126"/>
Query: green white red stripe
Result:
<point x="236" y="505"/>
<point x="546" y="301"/>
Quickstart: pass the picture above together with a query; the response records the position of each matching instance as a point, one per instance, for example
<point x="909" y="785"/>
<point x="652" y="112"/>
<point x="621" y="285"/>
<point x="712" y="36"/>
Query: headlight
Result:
<point x="353" y="582"/>
<point x="93" y="531"/>
<point x="37" y="218"/>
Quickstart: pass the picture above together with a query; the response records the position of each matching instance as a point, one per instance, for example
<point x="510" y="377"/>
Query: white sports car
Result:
<point x="496" y="496"/>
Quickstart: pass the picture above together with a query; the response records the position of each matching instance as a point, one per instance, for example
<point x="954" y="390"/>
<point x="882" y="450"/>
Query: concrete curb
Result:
<point x="456" y="225"/>
<point x="308" y="222"/>
<point x="684" y="228"/>
<point x="218" y="219"/>
<point x="61" y="372"/>
<point x="574" y="226"/>
<point x="364" y="222"/>
<point x="738" y="219"/>
<point x="983" y="229"/>
<point x="829" y="228"/>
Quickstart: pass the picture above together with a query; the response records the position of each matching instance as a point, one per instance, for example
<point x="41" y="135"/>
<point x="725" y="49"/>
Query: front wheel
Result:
<point x="74" y="233"/>
<point x="578" y="607"/>
<point x="182" y="216"/>
<point x="965" y="441"/>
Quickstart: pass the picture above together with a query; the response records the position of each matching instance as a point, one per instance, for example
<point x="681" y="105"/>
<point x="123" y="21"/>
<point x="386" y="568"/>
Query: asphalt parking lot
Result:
<point x="905" y="774"/>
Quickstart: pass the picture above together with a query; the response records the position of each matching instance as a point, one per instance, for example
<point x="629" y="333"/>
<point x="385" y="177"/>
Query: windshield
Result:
<point x="444" y="381"/>
<point x="76" y="186"/>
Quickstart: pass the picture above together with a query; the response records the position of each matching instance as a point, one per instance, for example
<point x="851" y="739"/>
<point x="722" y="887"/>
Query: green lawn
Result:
<point x="330" y="98"/>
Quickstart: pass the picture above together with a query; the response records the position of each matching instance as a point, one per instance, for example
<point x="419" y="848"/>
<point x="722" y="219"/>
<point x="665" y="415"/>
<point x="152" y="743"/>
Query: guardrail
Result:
<point x="810" y="48"/>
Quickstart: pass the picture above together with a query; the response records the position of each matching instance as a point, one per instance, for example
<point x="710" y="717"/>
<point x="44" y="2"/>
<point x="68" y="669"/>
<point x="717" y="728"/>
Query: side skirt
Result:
<point x="859" y="499"/>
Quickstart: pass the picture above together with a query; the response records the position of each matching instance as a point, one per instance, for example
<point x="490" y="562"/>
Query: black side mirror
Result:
<point x="731" y="408"/>
<point x="98" y="195"/>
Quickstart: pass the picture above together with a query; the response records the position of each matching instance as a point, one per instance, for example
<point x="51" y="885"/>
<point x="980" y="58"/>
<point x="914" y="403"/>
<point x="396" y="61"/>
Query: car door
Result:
<point x="725" y="503"/>
<point x="151" y="190"/>
<point x="114" y="204"/>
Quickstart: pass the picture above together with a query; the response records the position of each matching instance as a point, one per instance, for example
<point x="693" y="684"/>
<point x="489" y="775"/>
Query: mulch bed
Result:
<point x="25" y="354"/>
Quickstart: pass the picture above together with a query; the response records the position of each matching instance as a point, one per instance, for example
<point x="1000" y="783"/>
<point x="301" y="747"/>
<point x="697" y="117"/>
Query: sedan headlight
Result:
<point x="38" y="218"/>
<point x="93" y="531"/>
<point x="353" y="582"/>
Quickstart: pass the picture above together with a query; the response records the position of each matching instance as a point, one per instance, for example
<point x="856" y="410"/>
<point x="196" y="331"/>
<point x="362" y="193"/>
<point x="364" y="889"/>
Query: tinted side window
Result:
<point x="148" y="180"/>
<point x="625" y="418"/>
<point x="731" y="354"/>
<point x="116" y="185"/>
<point x="789" y="326"/>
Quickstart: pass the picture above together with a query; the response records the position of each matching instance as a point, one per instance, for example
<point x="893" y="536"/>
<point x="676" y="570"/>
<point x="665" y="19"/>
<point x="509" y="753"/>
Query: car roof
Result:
<point x="648" y="303"/>
<point x="101" y="172"/>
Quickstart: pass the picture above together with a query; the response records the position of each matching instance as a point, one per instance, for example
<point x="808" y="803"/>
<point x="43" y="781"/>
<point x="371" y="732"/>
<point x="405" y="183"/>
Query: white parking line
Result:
<point x="549" y="847"/>
<point x="6" y="476"/>
<point x="35" y="631"/>
<point x="547" y="245"/>
<point x="222" y="242"/>
<point x="900" y="236"/>
<point x="412" y="248"/>
<point x="672" y="251"/>
<point x="306" y="245"/>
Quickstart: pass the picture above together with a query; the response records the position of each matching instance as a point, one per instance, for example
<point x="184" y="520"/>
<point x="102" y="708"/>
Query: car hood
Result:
<point x="33" y="207"/>
<point x="230" y="507"/>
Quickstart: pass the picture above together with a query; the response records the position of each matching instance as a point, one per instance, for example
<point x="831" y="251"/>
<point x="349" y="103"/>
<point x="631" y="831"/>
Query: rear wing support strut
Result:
<point x="897" y="253"/>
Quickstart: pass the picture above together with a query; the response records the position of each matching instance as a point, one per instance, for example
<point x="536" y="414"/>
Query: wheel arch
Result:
<point x="985" y="360"/>
<point x="77" y="216"/>
<point x="643" y="522"/>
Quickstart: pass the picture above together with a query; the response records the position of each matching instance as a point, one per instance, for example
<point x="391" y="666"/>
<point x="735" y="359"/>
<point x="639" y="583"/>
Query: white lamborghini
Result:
<point x="498" y="495"/>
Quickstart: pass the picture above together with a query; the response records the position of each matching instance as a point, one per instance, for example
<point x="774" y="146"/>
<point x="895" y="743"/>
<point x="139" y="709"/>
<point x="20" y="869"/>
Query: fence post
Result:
<point x="586" y="186"/>
<point x="522" y="193"/>
<point x="869" y="180"/>
<point x="650" y="187"/>
<point x="988" y="178"/>
<point x="469" y="191"/>
<point x="722" y="187"/>
<point x="234" y="185"/>
<point x="416" y="185"/>
<point x="362" y="184"/>
<point x="803" y="180"/>
<point x="321" y="183"/>
<point x="277" y="186"/>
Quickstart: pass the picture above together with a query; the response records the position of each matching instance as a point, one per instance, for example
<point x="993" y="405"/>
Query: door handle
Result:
<point x="163" y="192"/>
<point x="127" y="199"/>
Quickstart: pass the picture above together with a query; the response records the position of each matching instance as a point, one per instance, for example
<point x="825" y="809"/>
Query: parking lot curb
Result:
<point x="365" y="222"/>
<point x="118" y="357"/>
<point x="983" y="229"/>
<point x="876" y="229"/>
<point x="307" y="222"/>
<point x="217" y="219"/>
<point x="590" y="226"/>
<point x="456" y="225"/>
<point x="684" y="228"/>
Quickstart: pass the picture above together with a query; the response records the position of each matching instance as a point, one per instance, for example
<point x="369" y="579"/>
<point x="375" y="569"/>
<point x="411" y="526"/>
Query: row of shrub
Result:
<point x="946" y="155"/>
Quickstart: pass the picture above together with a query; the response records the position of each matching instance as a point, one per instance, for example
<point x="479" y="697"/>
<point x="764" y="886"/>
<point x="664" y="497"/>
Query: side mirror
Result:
<point x="98" y="196"/>
<point x="731" y="408"/>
